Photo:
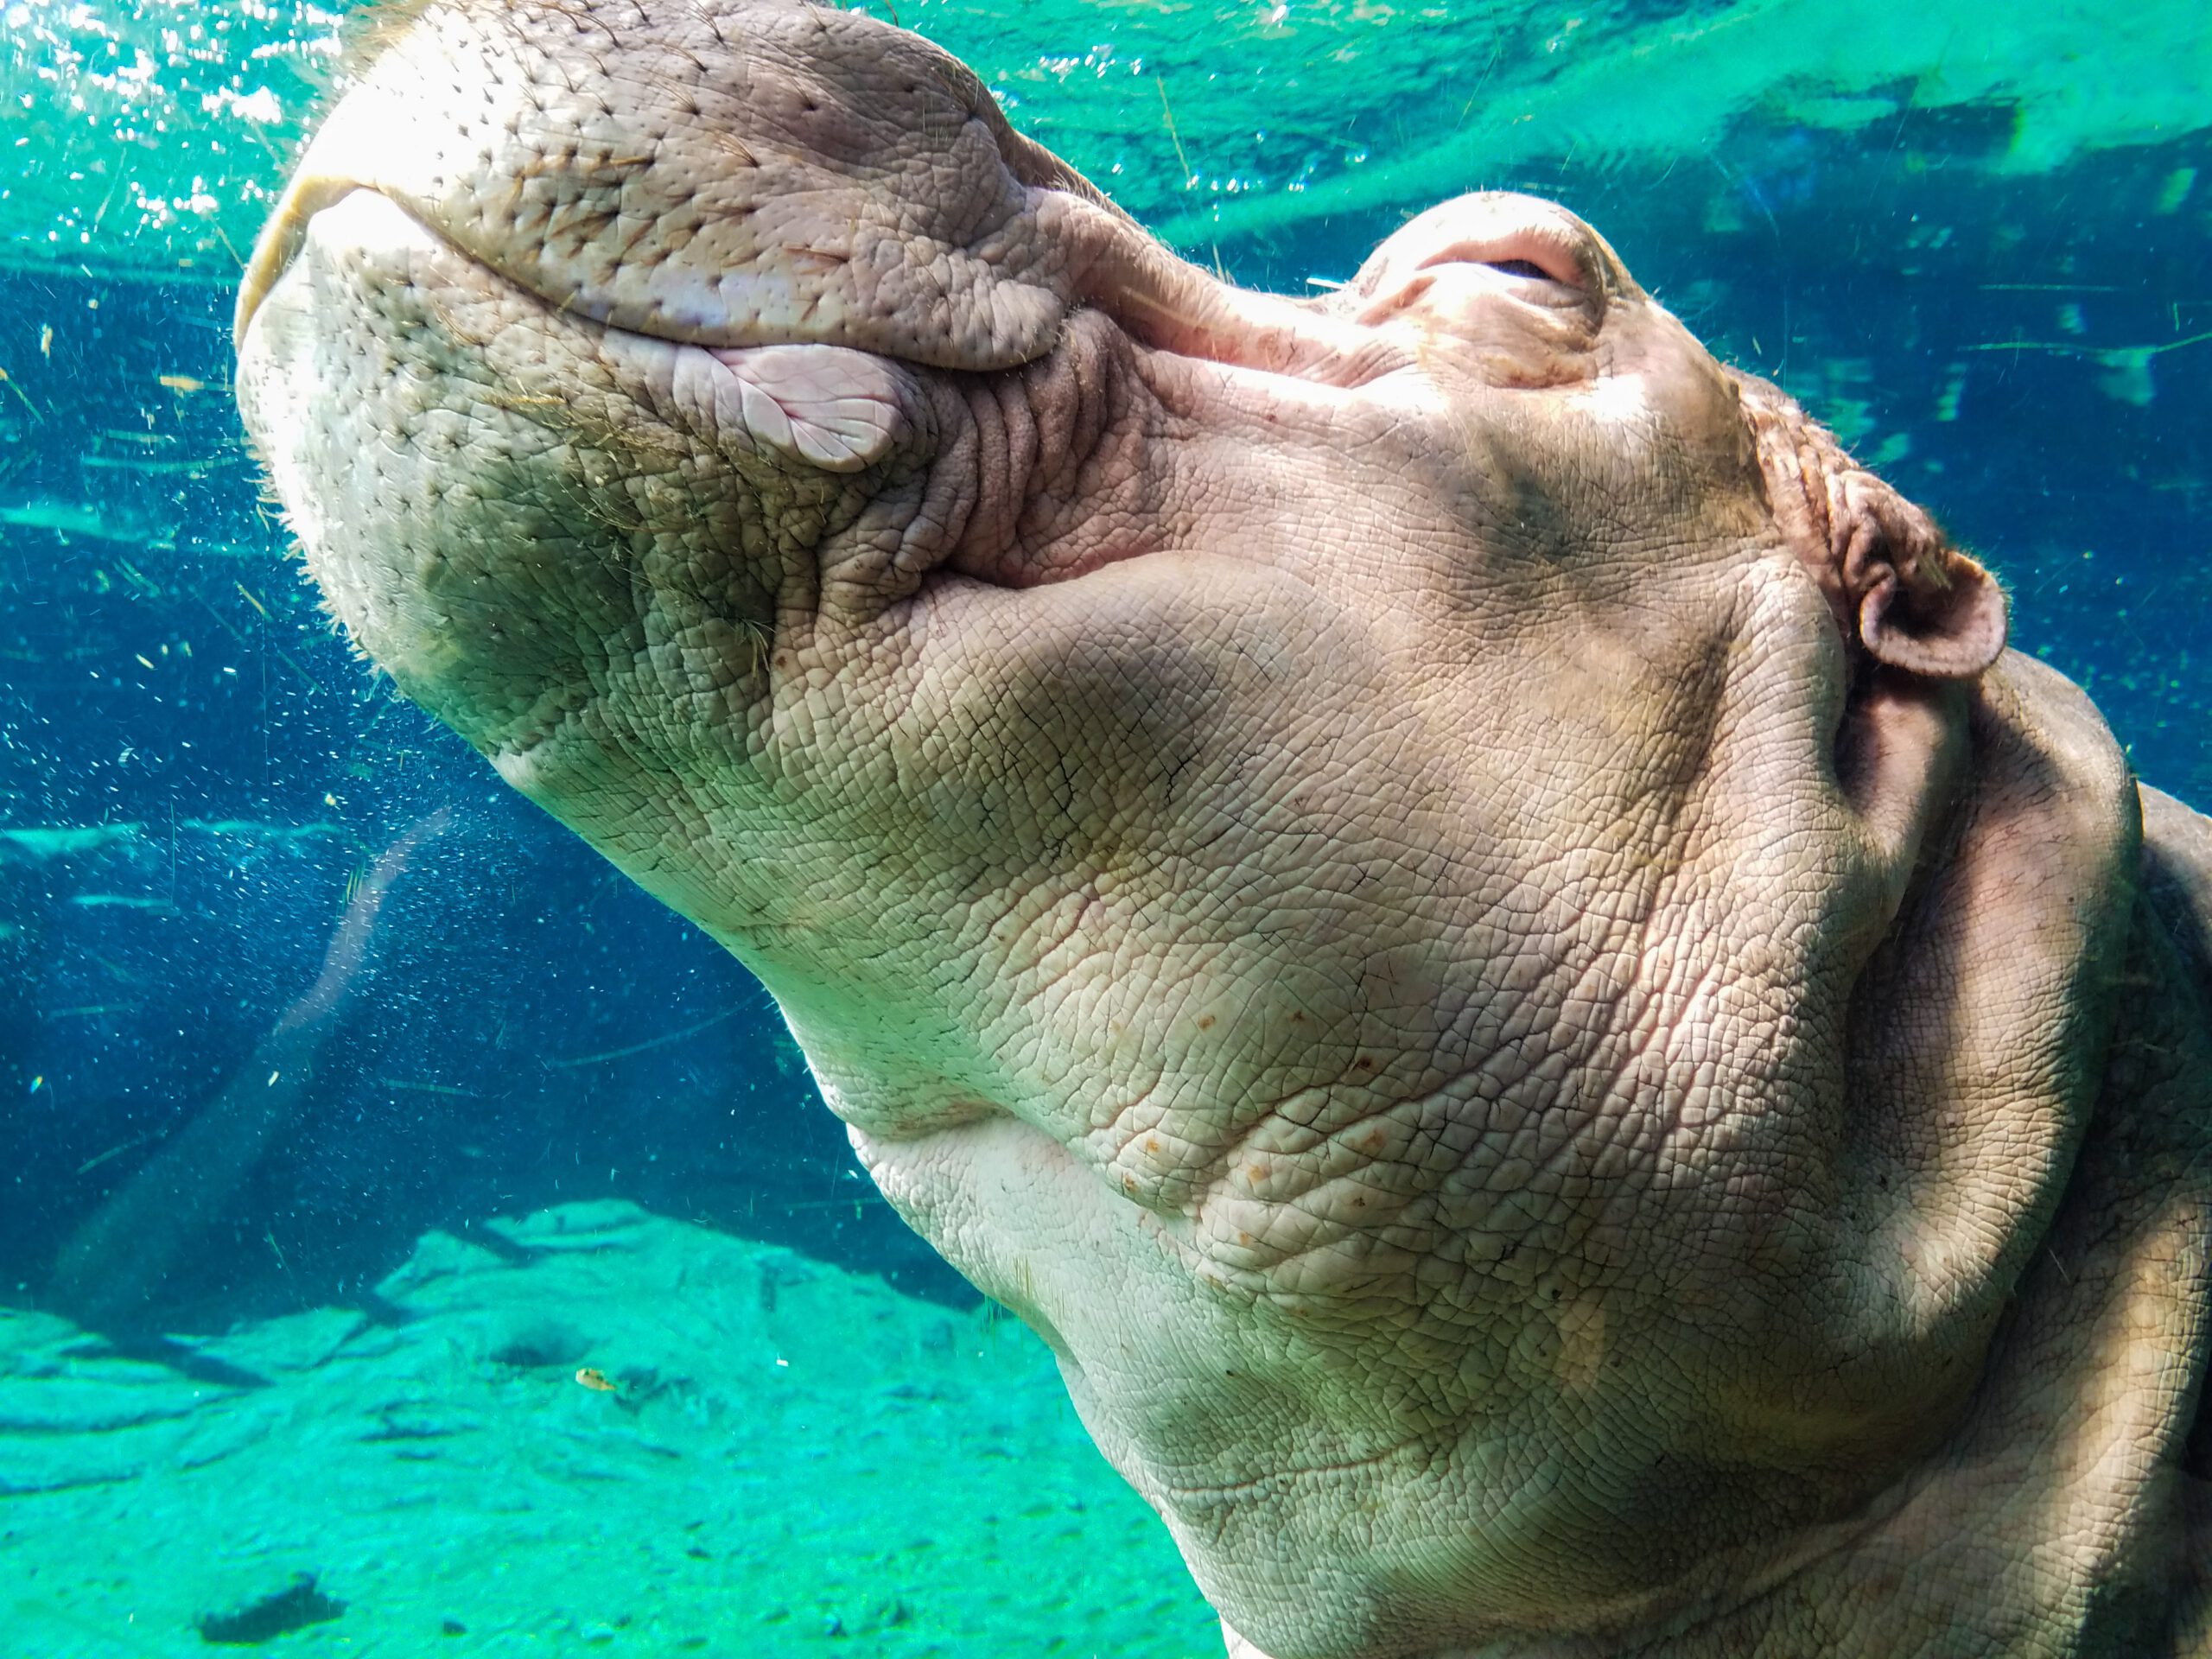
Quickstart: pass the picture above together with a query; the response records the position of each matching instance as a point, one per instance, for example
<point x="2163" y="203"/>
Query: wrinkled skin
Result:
<point x="1455" y="907"/>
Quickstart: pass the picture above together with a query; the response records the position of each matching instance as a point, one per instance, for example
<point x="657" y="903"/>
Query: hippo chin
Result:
<point x="1464" y="915"/>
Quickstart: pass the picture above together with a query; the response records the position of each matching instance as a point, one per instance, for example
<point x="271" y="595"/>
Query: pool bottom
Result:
<point x="591" y="1430"/>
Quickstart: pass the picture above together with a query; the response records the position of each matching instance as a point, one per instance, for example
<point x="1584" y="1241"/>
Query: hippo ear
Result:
<point x="1896" y="585"/>
<point x="1922" y="605"/>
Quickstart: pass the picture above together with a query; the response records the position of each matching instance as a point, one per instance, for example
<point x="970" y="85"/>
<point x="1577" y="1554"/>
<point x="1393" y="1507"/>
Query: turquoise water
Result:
<point x="303" y="1331"/>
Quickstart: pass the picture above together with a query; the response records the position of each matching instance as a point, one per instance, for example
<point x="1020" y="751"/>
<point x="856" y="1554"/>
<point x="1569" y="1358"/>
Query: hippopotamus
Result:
<point x="1469" y="919"/>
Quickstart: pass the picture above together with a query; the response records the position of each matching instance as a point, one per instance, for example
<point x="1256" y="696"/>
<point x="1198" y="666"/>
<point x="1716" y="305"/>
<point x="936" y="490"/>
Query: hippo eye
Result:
<point x="1531" y="255"/>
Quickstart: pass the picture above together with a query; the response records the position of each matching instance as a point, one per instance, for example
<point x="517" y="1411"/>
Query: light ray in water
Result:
<point x="661" y="1041"/>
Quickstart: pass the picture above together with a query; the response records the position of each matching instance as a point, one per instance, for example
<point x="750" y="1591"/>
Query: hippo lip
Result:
<point x="279" y="244"/>
<point x="1160" y="301"/>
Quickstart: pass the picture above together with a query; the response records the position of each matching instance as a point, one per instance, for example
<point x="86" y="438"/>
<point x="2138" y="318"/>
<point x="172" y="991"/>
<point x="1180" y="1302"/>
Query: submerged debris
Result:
<point x="293" y="1608"/>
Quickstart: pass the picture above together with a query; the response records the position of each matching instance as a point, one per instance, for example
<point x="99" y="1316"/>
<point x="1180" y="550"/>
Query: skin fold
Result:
<point x="1468" y="918"/>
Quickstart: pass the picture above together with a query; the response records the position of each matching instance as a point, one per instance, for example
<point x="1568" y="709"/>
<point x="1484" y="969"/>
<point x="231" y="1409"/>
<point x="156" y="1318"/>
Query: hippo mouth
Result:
<point x="804" y="289"/>
<point x="1156" y="299"/>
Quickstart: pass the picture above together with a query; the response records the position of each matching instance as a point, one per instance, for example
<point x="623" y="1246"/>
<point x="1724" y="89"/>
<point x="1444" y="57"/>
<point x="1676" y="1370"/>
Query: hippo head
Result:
<point x="1455" y="907"/>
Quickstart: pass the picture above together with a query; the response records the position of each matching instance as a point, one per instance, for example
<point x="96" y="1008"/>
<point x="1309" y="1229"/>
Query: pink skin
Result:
<point x="1451" y="902"/>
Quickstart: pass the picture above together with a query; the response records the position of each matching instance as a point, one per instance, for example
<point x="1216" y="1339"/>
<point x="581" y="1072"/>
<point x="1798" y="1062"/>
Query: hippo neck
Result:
<point x="2071" y="1508"/>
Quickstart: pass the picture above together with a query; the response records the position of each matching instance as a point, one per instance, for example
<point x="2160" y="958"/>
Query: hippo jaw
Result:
<point x="1359" y="863"/>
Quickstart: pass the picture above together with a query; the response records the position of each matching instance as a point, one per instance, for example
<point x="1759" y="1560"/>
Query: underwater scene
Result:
<point x="419" y="1239"/>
